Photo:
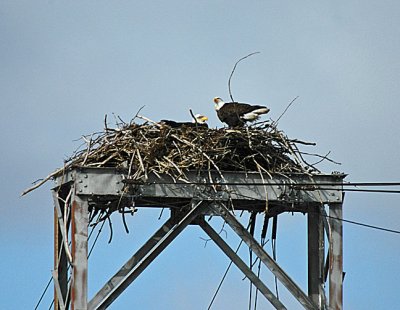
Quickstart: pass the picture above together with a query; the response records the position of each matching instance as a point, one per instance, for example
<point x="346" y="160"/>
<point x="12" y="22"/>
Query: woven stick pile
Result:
<point x="154" y="148"/>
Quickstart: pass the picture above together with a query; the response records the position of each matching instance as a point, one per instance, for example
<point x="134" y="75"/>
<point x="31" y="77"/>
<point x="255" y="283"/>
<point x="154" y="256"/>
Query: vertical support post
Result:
<point x="316" y="252"/>
<point x="60" y="260"/>
<point x="79" y="236"/>
<point x="336" y="257"/>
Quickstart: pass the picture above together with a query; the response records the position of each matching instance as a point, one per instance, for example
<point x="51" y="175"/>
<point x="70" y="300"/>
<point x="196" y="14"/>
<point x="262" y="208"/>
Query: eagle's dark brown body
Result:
<point x="236" y="114"/>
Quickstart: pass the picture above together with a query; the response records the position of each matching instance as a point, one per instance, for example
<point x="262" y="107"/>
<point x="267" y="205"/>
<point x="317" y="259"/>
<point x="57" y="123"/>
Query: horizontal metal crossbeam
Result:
<point x="287" y="189"/>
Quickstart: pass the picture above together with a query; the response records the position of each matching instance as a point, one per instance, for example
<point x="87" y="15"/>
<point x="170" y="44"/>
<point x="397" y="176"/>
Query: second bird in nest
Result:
<point x="199" y="120"/>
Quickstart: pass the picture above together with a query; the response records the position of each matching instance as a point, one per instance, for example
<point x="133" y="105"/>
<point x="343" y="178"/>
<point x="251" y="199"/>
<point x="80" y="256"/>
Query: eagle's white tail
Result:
<point x="251" y="116"/>
<point x="261" y="111"/>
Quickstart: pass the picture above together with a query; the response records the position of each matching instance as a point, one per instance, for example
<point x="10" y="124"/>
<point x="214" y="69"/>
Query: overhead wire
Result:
<point x="251" y="203"/>
<point x="387" y="191"/>
<point x="364" y="184"/>
<point x="223" y="278"/>
<point x="327" y="216"/>
<point x="365" y="225"/>
<point x="343" y="220"/>
<point x="225" y="273"/>
<point x="43" y="293"/>
<point x="263" y="243"/>
<point x="304" y="186"/>
<point x="97" y="237"/>
<point x="51" y="278"/>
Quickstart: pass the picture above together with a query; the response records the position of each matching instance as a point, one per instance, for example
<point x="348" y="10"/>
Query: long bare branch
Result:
<point x="233" y="71"/>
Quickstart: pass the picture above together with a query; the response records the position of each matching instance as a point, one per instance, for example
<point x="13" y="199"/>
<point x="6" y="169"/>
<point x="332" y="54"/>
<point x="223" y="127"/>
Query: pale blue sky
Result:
<point x="64" y="65"/>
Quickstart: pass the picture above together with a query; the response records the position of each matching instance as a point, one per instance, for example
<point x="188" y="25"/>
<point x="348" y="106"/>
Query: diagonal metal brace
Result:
<point x="142" y="258"/>
<point x="57" y="286"/>
<point x="62" y="225"/>
<point x="265" y="258"/>
<point x="119" y="277"/>
<point x="241" y="265"/>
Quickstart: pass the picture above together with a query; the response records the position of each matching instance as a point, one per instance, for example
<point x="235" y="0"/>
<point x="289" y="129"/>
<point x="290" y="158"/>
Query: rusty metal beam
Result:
<point x="336" y="257"/>
<point x="79" y="236"/>
<point x="60" y="260"/>
<point x="293" y="288"/>
<point x="135" y="266"/>
<point x="241" y="265"/>
<point x="316" y="255"/>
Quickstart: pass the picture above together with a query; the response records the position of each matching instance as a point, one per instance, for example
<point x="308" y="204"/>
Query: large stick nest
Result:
<point x="159" y="149"/>
<point x="154" y="148"/>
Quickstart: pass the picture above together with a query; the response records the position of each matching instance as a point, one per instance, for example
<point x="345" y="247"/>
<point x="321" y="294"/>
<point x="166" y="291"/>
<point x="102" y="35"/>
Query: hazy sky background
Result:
<point x="64" y="65"/>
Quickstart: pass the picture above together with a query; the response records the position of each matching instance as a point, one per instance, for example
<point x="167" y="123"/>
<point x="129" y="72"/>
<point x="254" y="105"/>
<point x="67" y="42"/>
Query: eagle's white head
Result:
<point x="201" y="119"/>
<point x="219" y="103"/>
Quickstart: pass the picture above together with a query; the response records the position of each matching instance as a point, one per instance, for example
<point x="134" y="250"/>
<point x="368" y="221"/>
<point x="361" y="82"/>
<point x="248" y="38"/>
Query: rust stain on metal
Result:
<point x="56" y="251"/>
<point x="79" y="255"/>
<point x="73" y="252"/>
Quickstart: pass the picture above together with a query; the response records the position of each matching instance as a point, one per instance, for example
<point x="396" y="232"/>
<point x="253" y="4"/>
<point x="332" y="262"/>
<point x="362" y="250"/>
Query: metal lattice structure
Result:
<point x="79" y="190"/>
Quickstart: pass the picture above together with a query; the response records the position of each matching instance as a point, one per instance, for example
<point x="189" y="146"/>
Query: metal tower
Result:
<point x="80" y="189"/>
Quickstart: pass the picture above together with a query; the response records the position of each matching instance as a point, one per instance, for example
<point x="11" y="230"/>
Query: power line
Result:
<point x="382" y="191"/>
<point x="44" y="293"/>
<point x="343" y="220"/>
<point x="309" y="186"/>
<point x="225" y="274"/>
<point x="223" y="278"/>
<point x="347" y="221"/>
<point x="97" y="237"/>
<point x="365" y="225"/>
<point x="288" y="183"/>
<point x="51" y="278"/>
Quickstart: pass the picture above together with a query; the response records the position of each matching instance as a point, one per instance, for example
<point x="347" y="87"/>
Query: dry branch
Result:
<point x="233" y="71"/>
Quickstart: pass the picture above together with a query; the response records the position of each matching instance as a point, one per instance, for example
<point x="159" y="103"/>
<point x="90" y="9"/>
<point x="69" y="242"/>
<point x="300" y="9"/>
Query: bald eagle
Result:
<point x="236" y="114"/>
<point x="200" y="119"/>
